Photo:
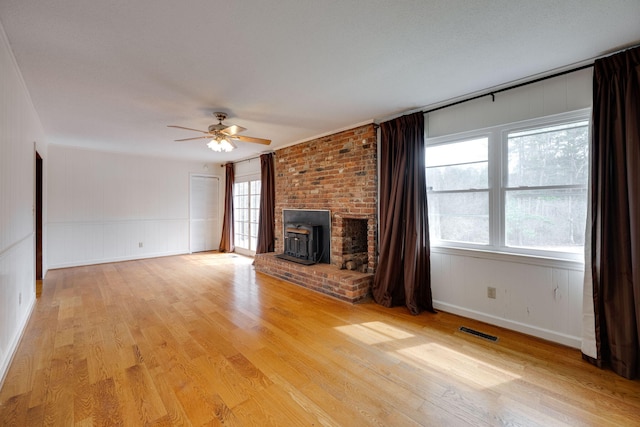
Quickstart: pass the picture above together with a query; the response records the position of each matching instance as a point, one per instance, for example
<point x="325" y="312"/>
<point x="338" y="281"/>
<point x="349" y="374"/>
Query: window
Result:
<point x="458" y="182"/>
<point x="246" y="210"/>
<point x="513" y="188"/>
<point x="546" y="188"/>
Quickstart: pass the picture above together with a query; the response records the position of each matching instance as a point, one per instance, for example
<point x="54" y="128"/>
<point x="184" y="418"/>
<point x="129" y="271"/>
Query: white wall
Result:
<point x="106" y="207"/>
<point x="536" y="296"/>
<point x="249" y="169"/>
<point x="19" y="129"/>
<point x="554" y="96"/>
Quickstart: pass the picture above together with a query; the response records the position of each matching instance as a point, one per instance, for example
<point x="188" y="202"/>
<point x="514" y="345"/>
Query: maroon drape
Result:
<point x="226" y="242"/>
<point x="266" y="220"/>
<point x="403" y="275"/>
<point x="615" y="211"/>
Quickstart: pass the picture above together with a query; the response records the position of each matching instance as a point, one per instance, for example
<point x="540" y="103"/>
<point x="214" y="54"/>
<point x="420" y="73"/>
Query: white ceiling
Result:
<point x="111" y="74"/>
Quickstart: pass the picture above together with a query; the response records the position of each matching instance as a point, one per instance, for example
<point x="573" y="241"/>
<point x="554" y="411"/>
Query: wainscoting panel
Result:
<point x="99" y="242"/>
<point x="540" y="300"/>
<point x="17" y="293"/>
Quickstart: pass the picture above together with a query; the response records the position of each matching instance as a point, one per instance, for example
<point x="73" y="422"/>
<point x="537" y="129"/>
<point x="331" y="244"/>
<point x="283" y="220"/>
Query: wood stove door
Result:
<point x="297" y="245"/>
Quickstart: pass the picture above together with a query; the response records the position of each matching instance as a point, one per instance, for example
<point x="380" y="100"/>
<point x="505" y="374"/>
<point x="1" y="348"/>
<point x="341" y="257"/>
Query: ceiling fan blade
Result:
<point x="191" y="139"/>
<point x="252" y="139"/>
<point x="182" y="127"/>
<point x="232" y="130"/>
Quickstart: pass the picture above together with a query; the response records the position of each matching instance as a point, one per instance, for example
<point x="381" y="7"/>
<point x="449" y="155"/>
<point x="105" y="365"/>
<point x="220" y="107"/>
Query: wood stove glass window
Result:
<point x="246" y="209"/>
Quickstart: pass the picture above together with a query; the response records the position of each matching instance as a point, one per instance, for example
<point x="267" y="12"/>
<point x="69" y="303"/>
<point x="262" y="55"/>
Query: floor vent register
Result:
<point x="478" y="334"/>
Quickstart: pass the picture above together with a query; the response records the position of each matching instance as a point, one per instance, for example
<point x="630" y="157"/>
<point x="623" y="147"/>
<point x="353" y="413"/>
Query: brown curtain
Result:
<point x="266" y="220"/>
<point x="226" y="243"/>
<point x="615" y="211"/>
<point x="403" y="275"/>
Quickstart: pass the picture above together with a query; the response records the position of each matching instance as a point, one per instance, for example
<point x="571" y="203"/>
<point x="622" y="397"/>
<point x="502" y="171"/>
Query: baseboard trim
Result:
<point x="13" y="347"/>
<point x="554" y="336"/>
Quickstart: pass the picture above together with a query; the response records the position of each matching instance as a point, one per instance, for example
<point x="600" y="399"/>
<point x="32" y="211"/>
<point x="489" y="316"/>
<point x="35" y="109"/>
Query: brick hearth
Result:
<point x="350" y="286"/>
<point x="336" y="173"/>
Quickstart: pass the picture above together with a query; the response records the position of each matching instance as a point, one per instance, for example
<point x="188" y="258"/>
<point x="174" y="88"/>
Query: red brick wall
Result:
<point x="335" y="172"/>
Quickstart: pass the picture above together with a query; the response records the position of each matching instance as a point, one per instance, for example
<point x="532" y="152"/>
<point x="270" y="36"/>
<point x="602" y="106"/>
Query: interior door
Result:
<point x="204" y="216"/>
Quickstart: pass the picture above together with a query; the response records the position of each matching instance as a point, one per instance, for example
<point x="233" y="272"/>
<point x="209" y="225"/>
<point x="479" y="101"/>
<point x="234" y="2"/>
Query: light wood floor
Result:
<point x="202" y="340"/>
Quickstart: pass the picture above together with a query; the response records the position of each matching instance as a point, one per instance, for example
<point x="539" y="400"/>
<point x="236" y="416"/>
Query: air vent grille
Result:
<point x="478" y="334"/>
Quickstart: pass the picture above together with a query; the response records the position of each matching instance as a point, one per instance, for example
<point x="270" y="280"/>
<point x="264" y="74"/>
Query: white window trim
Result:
<point x="497" y="250"/>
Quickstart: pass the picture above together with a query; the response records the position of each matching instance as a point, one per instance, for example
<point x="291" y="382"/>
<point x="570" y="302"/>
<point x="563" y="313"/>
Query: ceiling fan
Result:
<point x="222" y="136"/>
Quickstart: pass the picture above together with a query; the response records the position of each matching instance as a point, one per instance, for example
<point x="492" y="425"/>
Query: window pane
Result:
<point x="458" y="166"/>
<point x="471" y="151"/>
<point x="459" y="217"/>
<point x="243" y="202"/>
<point x="459" y="177"/>
<point x="255" y="213"/>
<point x="240" y="188"/>
<point x="555" y="155"/>
<point x="551" y="220"/>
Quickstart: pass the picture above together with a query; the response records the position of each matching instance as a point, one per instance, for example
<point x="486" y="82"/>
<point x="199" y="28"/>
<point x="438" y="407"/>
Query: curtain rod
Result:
<point x="249" y="159"/>
<point x="515" y="86"/>
<point x="504" y="89"/>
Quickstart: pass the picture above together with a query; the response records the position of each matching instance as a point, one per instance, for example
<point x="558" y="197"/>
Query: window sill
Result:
<point x="540" y="261"/>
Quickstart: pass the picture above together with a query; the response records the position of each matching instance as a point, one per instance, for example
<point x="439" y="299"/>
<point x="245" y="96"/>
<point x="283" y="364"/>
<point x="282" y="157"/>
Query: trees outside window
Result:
<point x="513" y="188"/>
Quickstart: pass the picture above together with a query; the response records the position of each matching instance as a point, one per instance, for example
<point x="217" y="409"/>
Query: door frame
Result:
<point x="39" y="178"/>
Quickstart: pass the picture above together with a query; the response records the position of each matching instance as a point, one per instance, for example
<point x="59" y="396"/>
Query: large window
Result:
<point x="513" y="188"/>
<point x="246" y="210"/>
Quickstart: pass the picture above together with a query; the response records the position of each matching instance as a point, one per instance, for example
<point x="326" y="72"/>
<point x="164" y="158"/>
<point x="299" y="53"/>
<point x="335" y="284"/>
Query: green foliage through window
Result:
<point x="511" y="188"/>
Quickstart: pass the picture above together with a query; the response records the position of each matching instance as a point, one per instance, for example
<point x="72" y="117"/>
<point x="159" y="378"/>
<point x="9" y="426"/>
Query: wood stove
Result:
<point x="307" y="236"/>
<point x="303" y="242"/>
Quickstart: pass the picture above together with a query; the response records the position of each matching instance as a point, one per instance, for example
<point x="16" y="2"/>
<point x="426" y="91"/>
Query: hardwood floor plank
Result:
<point x="107" y="410"/>
<point x="82" y="401"/>
<point x="13" y="411"/>
<point x="202" y="339"/>
<point x="140" y="400"/>
<point x="176" y="415"/>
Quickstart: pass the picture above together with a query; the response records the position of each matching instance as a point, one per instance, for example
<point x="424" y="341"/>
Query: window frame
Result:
<point x="498" y="188"/>
<point x="248" y="179"/>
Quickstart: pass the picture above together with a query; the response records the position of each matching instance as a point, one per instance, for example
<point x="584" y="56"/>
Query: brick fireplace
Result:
<point x="335" y="173"/>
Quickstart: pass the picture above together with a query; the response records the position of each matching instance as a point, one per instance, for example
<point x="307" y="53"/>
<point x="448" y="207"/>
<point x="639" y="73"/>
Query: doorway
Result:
<point x="38" y="213"/>
<point x="204" y="218"/>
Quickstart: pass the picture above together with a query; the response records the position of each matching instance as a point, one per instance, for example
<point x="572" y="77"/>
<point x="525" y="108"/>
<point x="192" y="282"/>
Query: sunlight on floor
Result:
<point x="474" y="372"/>
<point x="374" y="332"/>
<point x="432" y="356"/>
<point x="217" y="258"/>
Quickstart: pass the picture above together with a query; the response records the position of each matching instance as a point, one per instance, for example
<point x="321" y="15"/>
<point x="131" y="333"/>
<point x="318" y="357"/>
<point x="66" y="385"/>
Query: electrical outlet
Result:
<point x="491" y="292"/>
<point x="139" y="244"/>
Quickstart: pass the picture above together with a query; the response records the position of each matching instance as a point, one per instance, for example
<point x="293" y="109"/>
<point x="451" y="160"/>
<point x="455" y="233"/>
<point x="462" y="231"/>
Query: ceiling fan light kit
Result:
<point x="221" y="145"/>
<point x="221" y="135"/>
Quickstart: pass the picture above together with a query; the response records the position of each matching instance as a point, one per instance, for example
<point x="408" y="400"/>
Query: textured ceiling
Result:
<point x="111" y="74"/>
